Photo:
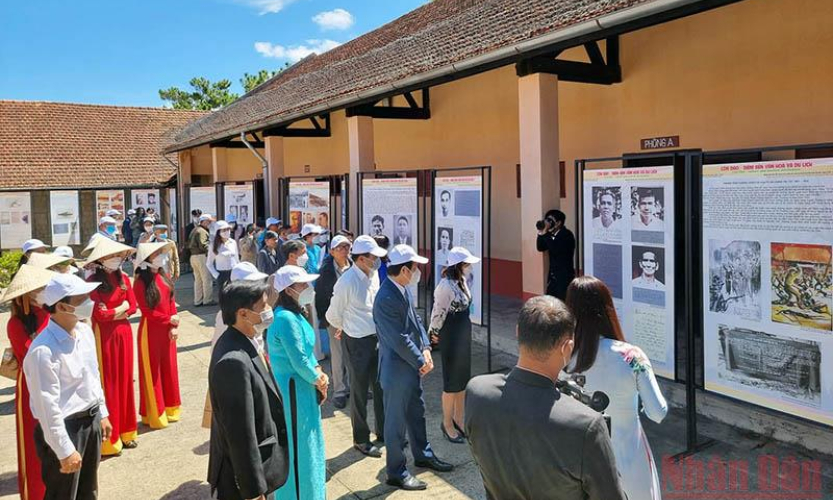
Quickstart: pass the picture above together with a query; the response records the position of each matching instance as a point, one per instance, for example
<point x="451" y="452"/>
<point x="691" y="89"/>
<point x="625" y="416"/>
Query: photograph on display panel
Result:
<point x="65" y="214"/>
<point x="238" y="200"/>
<point x="15" y="219"/>
<point x="786" y="367"/>
<point x="735" y="278"/>
<point x="311" y="201"/>
<point x="647" y="212"/>
<point x="607" y="213"/>
<point x="802" y="293"/>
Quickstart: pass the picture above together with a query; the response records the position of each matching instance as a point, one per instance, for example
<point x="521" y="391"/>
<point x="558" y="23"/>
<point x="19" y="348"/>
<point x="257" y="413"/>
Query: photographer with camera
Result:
<point x="560" y="244"/>
<point x="529" y="440"/>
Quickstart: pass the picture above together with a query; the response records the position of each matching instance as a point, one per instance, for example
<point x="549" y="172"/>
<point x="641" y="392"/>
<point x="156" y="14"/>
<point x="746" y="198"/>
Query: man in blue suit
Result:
<point x="404" y="358"/>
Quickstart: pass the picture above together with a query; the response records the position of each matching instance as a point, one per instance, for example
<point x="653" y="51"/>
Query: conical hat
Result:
<point x="47" y="260"/>
<point x="105" y="247"/>
<point x="28" y="279"/>
<point x="91" y="245"/>
<point x="145" y="250"/>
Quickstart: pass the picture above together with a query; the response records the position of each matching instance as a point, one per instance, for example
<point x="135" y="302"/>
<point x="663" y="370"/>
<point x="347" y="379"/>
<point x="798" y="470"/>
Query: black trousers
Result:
<point x="363" y="367"/>
<point x="557" y="285"/>
<point x="85" y="434"/>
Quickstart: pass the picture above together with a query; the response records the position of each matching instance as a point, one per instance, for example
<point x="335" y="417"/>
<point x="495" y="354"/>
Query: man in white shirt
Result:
<point x="648" y="279"/>
<point x="351" y="314"/>
<point x="646" y="216"/>
<point x="66" y="397"/>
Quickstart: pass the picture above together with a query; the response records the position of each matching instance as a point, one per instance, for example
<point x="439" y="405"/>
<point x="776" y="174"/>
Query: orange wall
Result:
<point x="755" y="73"/>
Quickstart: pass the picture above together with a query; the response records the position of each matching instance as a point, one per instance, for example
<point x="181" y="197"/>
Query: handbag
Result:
<point x="9" y="367"/>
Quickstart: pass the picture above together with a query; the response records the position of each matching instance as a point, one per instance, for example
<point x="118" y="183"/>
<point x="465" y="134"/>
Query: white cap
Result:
<point x="64" y="251"/>
<point x="310" y="229"/>
<point x="231" y="218"/>
<point x="113" y="213"/>
<point x="204" y="217"/>
<point x="272" y="221"/>
<point x="160" y="226"/>
<point x="402" y="254"/>
<point x="220" y="225"/>
<point x="131" y="212"/>
<point x="246" y="271"/>
<point x="366" y="244"/>
<point x="66" y="285"/>
<point x="339" y="240"/>
<point x="107" y="220"/>
<point x="289" y="275"/>
<point x="149" y="219"/>
<point x="459" y="254"/>
<point x="33" y="244"/>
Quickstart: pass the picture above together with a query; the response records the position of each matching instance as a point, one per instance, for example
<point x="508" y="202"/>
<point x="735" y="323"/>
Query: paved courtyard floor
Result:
<point x="171" y="464"/>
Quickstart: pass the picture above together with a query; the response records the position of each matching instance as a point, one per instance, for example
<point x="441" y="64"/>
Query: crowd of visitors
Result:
<point x="285" y="305"/>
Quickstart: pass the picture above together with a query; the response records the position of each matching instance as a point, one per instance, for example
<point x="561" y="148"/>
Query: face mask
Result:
<point x="302" y="260"/>
<point x="267" y="316"/>
<point x="306" y="297"/>
<point x="84" y="310"/>
<point x="467" y="271"/>
<point x="163" y="236"/>
<point x="415" y="277"/>
<point x="323" y="239"/>
<point x="111" y="264"/>
<point x="111" y="230"/>
<point x="39" y="297"/>
<point x="225" y="234"/>
<point x="159" y="261"/>
<point x="148" y="229"/>
<point x="377" y="264"/>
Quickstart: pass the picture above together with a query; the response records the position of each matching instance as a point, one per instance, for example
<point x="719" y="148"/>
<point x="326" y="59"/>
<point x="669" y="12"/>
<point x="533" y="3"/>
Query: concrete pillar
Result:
<point x="219" y="164"/>
<point x="183" y="202"/>
<point x="538" y="112"/>
<point x="362" y="159"/>
<point x="275" y="158"/>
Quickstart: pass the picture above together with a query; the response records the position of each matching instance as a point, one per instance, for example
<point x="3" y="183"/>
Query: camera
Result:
<point x="548" y="222"/>
<point x="574" y="387"/>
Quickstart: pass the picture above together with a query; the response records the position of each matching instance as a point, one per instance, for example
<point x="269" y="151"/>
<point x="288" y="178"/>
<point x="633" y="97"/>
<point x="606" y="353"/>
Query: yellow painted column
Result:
<point x="362" y="159"/>
<point x="538" y="113"/>
<point x="219" y="164"/>
<point x="275" y="159"/>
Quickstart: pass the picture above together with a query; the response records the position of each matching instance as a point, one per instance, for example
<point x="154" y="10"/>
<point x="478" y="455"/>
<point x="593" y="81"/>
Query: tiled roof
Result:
<point x="57" y="145"/>
<point x="436" y="35"/>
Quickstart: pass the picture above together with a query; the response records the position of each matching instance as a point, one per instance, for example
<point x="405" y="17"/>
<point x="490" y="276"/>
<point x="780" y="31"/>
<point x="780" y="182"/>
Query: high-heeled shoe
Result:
<point x="455" y="440"/>
<point x="461" y="431"/>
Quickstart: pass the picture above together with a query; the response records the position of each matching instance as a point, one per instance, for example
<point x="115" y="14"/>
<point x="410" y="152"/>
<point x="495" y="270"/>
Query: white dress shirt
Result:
<point x="351" y="308"/>
<point x="63" y="379"/>
<point x="225" y="260"/>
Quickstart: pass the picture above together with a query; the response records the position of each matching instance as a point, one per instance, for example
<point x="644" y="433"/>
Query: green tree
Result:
<point x="205" y="95"/>
<point x="249" y="82"/>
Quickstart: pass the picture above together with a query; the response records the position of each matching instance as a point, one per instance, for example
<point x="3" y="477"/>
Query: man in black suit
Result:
<point x="249" y="455"/>
<point x="560" y="243"/>
<point x="529" y="440"/>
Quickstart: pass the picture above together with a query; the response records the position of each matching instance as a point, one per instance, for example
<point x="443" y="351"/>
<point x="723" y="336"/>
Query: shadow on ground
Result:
<point x="192" y="490"/>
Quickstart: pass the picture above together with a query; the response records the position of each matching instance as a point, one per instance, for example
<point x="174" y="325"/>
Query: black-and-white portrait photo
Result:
<point x="445" y="242"/>
<point x="403" y="230"/>
<point x="607" y="208"/>
<point x="648" y="267"/>
<point x="445" y="204"/>
<point x="377" y="226"/>
<point x="647" y="209"/>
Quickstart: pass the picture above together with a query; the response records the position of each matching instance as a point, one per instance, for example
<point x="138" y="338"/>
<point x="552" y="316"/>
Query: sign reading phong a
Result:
<point x="671" y="141"/>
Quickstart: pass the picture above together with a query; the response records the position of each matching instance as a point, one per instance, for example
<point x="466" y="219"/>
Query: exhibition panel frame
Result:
<point x="335" y="204"/>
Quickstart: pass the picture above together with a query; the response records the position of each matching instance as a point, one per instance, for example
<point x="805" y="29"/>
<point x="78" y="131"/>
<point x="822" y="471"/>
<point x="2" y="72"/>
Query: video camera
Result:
<point x="574" y="387"/>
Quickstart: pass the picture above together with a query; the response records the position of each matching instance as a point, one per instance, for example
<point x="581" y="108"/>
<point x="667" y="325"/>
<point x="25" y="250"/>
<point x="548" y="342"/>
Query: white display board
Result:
<point x="389" y="207"/>
<point x="173" y="230"/>
<point x="146" y="198"/>
<point x="767" y="284"/>
<point x="63" y="208"/>
<point x="203" y="198"/>
<point x="309" y="203"/>
<point x="15" y="219"/>
<point x="458" y="212"/>
<point x="629" y="244"/>
<point x="238" y="200"/>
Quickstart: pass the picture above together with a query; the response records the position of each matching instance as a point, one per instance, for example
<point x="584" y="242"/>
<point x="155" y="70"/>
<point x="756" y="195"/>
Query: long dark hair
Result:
<point x="102" y="276"/>
<point x="218" y="242"/>
<point x="591" y="303"/>
<point x="30" y="321"/>
<point x="455" y="273"/>
<point x="152" y="294"/>
<point x="287" y="302"/>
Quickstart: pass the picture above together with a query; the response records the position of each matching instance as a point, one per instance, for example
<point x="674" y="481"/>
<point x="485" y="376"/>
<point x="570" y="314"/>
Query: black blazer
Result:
<point x="249" y="455"/>
<point x="561" y="247"/>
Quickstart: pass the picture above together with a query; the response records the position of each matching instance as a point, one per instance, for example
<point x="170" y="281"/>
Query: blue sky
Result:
<point x="105" y="52"/>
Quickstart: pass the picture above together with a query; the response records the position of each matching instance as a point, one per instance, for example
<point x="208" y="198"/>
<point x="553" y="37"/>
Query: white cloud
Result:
<point x="267" y="6"/>
<point x="338" y="19"/>
<point x="295" y="53"/>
